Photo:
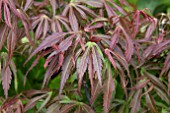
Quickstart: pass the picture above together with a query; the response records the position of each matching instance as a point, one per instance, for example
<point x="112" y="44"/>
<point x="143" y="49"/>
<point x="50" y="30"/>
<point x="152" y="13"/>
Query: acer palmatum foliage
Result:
<point x="98" y="40"/>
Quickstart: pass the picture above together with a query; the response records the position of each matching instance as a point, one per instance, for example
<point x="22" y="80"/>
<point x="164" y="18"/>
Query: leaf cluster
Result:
<point x="110" y="51"/>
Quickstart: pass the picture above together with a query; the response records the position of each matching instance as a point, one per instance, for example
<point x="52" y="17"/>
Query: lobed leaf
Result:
<point x="129" y="45"/>
<point x="97" y="64"/>
<point x="82" y="66"/>
<point x="66" y="68"/>
<point x="155" y="81"/>
<point x="108" y="87"/>
<point x="73" y="20"/>
<point x="97" y="90"/>
<point x="3" y="35"/>
<point x="118" y="57"/>
<point x="6" y="79"/>
<point x="7" y="16"/>
<point x="115" y="37"/>
<point x="166" y="65"/>
<point x="91" y="73"/>
<point x="135" y="103"/>
<point x="48" y="42"/>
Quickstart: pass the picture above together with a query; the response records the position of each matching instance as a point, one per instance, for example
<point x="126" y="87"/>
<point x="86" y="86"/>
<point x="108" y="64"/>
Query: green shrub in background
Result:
<point x="155" y="6"/>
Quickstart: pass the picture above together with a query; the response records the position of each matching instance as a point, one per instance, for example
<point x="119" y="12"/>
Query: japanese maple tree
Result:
<point x="108" y="47"/>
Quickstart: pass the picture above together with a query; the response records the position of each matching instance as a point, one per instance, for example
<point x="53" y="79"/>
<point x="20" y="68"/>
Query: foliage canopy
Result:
<point x="106" y="56"/>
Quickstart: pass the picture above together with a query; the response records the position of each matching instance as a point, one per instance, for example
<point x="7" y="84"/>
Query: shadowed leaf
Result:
<point x="151" y="103"/>
<point x="67" y="108"/>
<point x="96" y="92"/>
<point x="66" y="68"/>
<point x="129" y="45"/>
<point x="97" y="64"/>
<point x="135" y="103"/>
<point x="108" y="90"/>
<point x="87" y="108"/>
<point x="33" y="101"/>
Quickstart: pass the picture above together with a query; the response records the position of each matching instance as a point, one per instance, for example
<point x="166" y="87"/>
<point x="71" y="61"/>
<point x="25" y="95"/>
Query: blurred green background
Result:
<point x="155" y="6"/>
